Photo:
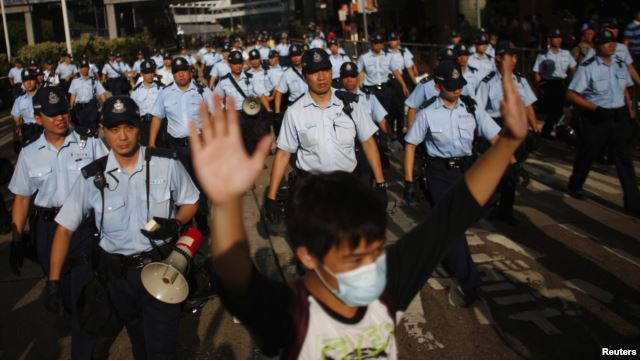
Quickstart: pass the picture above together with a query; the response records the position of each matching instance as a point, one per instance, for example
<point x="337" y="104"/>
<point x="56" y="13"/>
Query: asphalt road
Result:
<point x="564" y="284"/>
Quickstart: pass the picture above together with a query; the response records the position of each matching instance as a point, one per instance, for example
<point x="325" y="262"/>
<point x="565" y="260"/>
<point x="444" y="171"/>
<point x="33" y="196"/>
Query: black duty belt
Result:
<point x="138" y="260"/>
<point x="450" y="163"/>
<point x="47" y="214"/>
<point x="377" y="86"/>
<point x="182" y="142"/>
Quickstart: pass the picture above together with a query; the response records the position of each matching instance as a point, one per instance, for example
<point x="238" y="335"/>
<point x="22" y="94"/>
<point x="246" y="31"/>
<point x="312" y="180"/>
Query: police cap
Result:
<point x="446" y="54"/>
<point x="226" y="48"/>
<point x="455" y="34"/>
<point x="148" y="66"/>
<point x="349" y="69"/>
<point x="254" y="54"/>
<point x="588" y="26"/>
<point x="555" y="33"/>
<point x="461" y="49"/>
<point x="166" y="56"/>
<point x="394" y="36"/>
<point x="83" y="63"/>
<point x="505" y="47"/>
<point x="33" y="63"/>
<point x="235" y="57"/>
<point x="448" y="75"/>
<point x="179" y="64"/>
<point x="377" y="38"/>
<point x="315" y="60"/>
<point x="28" y="74"/>
<point x="481" y="39"/>
<point x="51" y="101"/>
<point x="332" y="42"/>
<point x="295" y="50"/>
<point x="273" y="54"/>
<point x="139" y="52"/>
<point x="603" y="36"/>
<point x="120" y="109"/>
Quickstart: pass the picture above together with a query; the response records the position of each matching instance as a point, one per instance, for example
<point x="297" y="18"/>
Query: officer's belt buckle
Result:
<point x="453" y="163"/>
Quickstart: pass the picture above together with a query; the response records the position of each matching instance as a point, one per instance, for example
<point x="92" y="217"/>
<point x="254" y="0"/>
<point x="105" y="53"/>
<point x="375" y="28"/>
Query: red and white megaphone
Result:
<point x="165" y="280"/>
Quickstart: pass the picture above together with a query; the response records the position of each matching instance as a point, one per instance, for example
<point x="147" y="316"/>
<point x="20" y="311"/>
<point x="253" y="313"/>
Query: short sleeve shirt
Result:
<point x="23" y="107"/>
<point x="181" y="107"/>
<point x="602" y="84"/>
<point x="85" y="88"/>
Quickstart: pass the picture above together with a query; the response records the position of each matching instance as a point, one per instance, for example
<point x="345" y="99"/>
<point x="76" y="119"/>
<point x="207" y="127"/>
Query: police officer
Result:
<point x="208" y="59"/>
<point x="126" y="189"/>
<point x="447" y="124"/>
<point x="426" y="88"/>
<point x="337" y="59"/>
<point x="50" y="76"/>
<point x="622" y="51"/>
<point x="184" y="52"/>
<point x="15" y="80"/>
<point x="85" y="92"/>
<point x="455" y="39"/>
<point x="66" y="71"/>
<point x="283" y="49"/>
<point x="157" y="57"/>
<point x="145" y="94"/>
<point x="275" y="70"/>
<point x="114" y="75"/>
<point x="406" y="57"/>
<point x="291" y="82"/>
<point x="481" y="60"/>
<point x="164" y="73"/>
<point x="140" y="57"/>
<point x="488" y="97"/>
<point x="469" y="73"/>
<point x="242" y="86"/>
<point x="25" y="127"/>
<point x="262" y="48"/>
<point x="599" y="89"/>
<point x="221" y="68"/>
<point x="322" y="128"/>
<point x="48" y="168"/>
<point x="93" y="69"/>
<point x="180" y="103"/>
<point x="551" y="68"/>
<point x="260" y="81"/>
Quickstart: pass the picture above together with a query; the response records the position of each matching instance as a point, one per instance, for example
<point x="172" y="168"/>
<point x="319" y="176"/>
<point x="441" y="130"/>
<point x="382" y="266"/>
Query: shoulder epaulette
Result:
<point x="168" y="85"/>
<point x="489" y="77"/>
<point x="428" y="102"/>
<point x="589" y="61"/>
<point x="472" y="69"/>
<point x="138" y="86"/>
<point x="248" y="74"/>
<point x="427" y="78"/>
<point x="158" y="83"/>
<point x="470" y="103"/>
<point x="161" y="153"/>
<point x="618" y="60"/>
<point x="95" y="167"/>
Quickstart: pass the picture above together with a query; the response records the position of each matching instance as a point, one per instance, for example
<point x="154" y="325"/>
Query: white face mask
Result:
<point x="360" y="286"/>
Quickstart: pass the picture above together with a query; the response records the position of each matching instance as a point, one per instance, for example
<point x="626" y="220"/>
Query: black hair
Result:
<point x="328" y="209"/>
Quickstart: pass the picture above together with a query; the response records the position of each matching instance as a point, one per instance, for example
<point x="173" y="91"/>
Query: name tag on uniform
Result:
<point x="158" y="181"/>
<point x="81" y="155"/>
<point x="466" y="115"/>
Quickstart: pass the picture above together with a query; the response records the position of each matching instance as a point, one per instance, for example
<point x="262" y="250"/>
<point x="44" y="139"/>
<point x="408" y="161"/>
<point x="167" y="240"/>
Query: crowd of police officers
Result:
<point x="87" y="203"/>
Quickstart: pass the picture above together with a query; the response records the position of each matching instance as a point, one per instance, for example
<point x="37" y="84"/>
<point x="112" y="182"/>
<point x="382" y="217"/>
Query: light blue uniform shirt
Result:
<point x="145" y="97"/>
<point x="317" y="43"/>
<point x="23" y="106"/>
<point x="209" y="58"/>
<point x="450" y="132"/>
<point x="282" y="49"/>
<point x="471" y="77"/>
<point x="337" y="61"/>
<point x="220" y="69"/>
<point x="15" y="74"/>
<point x="181" y="107"/>
<point x="423" y="91"/>
<point x="323" y="138"/>
<point x="372" y="106"/>
<point x="260" y="81"/>
<point x="64" y="70"/>
<point x="273" y="77"/>
<point x="264" y="52"/>
<point x="125" y="201"/>
<point x="403" y="56"/>
<point x="83" y="90"/>
<point x="377" y="68"/>
<point x="158" y="60"/>
<point x="225" y="88"/>
<point x="292" y="83"/>
<point x="484" y="66"/>
<point x="50" y="171"/>
<point x="490" y="93"/>
<point x="562" y="59"/>
<point x="137" y="64"/>
<point x="114" y="69"/>
<point x="602" y="84"/>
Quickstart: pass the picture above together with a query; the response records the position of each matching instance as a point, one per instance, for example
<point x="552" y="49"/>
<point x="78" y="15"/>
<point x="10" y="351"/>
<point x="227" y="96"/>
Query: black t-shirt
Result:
<point x="282" y="317"/>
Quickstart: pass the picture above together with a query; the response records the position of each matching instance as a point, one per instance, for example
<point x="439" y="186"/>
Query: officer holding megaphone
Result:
<point x="131" y="189"/>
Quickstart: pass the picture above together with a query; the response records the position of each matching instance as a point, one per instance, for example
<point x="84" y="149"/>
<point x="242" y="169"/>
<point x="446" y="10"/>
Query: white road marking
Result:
<point x="500" y="265"/>
<point x="512" y="265"/>
<point x="514" y="246"/>
<point x="522" y="264"/>
<point x="473" y="239"/>
<point x="526" y="277"/>
<point x="484" y="258"/>
<point x="483" y="313"/>
<point x="540" y="318"/>
<point x="589" y="289"/>
<point x="560" y="293"/>
<point x="414" y="316"/>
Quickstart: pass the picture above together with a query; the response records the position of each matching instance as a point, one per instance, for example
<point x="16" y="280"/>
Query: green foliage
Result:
<point x="96" y="48"/>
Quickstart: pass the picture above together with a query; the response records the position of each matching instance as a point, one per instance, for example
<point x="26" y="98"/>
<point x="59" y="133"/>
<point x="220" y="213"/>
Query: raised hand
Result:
<point x="222" y="165"/>
<point x="515" y="124"/>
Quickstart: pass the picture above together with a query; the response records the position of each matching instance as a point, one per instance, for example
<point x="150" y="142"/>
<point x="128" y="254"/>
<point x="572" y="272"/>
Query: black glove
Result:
<point x="408" y="191"/>
<point x="16" y="256"/>
<point x="53" y="297"/>
<point x="272" y="210"/>
<point x="381" y="192"/>
<point x="168" y="228"/>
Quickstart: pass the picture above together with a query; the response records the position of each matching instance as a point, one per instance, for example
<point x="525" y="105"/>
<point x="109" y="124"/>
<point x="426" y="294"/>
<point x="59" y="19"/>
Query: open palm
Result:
<point x="222" y="165"/>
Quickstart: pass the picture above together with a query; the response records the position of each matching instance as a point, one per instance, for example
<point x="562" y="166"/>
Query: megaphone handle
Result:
<point x="184" y="254"/>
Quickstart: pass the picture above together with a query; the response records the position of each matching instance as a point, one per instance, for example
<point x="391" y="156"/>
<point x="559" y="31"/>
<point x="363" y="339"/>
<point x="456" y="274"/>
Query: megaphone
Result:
<point x="165" y="280"/>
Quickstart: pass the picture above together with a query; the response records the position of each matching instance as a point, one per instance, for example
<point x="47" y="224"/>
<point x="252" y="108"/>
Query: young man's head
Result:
<point x="121" y="125"/>
<point x="166" y="60"/>
<point x="236" y="62"/>
<point x="83" y="68"/>
<point x="377" y="43"/>
<point x="51" y="110"/>
<point x="449" y="81"/>
<point x="148" y="71"/>
<point x="296" y="52"/>
<point x="140" y="55"/>
<point x="555" y="38"/>
<point x="254" y="59"/>
<point x="588" y="32"/>
<point x="274" y="58"/>
<point x="226" y="51"/>
<point x="337" y="228"/>
<point x="462" y="54"/>
<point x="605" y="43"/>
<point x="317" y="70"/>
<point x="112" y="57"/>
<point x="455" y="37"/>
<point x="17" y="63"/>
<point x="49" y="65"/>
<point x="481" y="42"/>
<point x="349" y="76"/>
<point x="181" y="70"/>
<point x="494" y="39"/>
<point x="394" y="40"/>
<point x="506" y="51"/>
<point x="333" y="46"/>
<point x="29" y="79"/>
<point x="66" y="58"/>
